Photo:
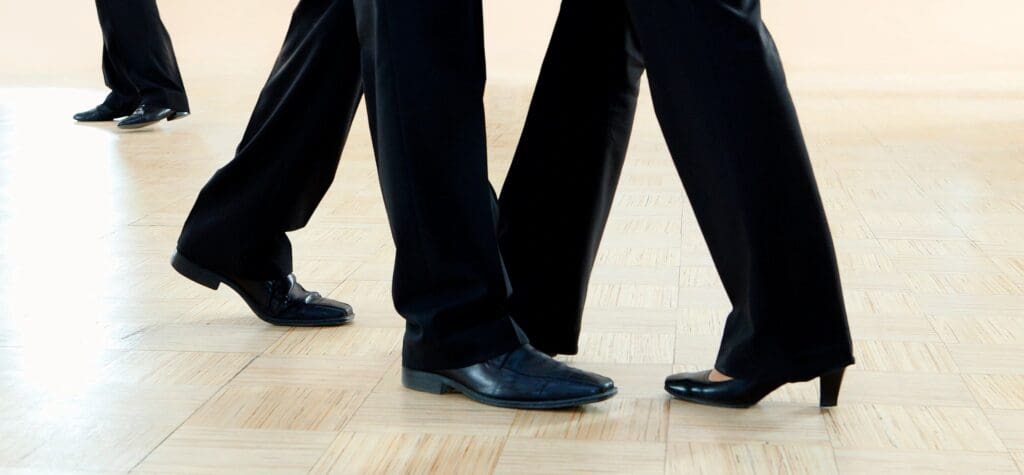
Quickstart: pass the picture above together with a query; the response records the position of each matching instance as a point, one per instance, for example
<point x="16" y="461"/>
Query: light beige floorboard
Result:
<point x="110" y="362"/>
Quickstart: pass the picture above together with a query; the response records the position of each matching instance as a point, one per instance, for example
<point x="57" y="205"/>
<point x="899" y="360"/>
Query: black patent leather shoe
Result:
<point x="148" y="115"/>
<point x="741" y="393"/>
<point x="523" y="378"/>
<point x="280" y="302"/>
<point x="101" y="113"/>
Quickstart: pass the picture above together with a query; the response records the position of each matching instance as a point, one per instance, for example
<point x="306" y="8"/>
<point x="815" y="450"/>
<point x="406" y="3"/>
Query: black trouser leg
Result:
<point x="721" y="98"/>
<point x="425" y="75"/>
<point x="139" y="60"/>
<point x="559" y="189"/>
<point x="123" y="97"/>
<point x="289" y="153"/>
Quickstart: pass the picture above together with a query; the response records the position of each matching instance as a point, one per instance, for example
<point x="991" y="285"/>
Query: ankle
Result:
<point x="718" y="376"/>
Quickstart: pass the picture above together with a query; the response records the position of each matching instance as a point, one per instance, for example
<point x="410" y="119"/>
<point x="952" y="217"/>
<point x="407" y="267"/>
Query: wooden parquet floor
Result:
<point x="111" y="363"/>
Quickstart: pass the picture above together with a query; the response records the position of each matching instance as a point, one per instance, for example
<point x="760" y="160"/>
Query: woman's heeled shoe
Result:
<point x="741" y="393"/>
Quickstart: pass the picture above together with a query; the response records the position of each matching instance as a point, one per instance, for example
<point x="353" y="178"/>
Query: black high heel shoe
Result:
<point x="741" y="393"/>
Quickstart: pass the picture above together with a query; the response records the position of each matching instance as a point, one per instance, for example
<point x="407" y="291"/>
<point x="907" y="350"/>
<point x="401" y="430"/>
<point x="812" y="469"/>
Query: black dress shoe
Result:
<point x="280" y="302"/>
<point x="522" y="379"/>
<point x="101" y="113"/>
<point x="741" y="393"/>
<point x="149" y="115"/>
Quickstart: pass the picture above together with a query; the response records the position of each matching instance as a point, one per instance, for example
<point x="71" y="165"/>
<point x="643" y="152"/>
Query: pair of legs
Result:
<point x="721" y="99"/>
<point x="421" y="68"/>
<point x="139" y="65"/>
<point x="424" y="95"/>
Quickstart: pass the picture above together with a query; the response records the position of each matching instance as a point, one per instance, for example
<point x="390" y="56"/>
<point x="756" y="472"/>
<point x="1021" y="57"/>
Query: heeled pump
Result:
<point x="742" y="393"/>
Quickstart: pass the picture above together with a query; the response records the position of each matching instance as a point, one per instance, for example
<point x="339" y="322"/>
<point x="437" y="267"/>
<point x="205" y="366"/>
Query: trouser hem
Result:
<point x="476" y="345"/>
<point x="804" y="366"/>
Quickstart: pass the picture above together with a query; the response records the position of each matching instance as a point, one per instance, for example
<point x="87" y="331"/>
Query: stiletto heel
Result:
<point x="830" y="384"/>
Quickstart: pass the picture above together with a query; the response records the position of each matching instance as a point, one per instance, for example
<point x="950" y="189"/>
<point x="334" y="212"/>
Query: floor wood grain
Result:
<point x="112" y="363"/>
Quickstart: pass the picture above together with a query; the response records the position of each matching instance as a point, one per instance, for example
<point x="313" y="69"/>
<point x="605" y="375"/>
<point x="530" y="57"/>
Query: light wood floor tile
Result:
<point x="1019" y="457"/>
<point x="352" y="373"/>
<point x="221" y="312"/>
<point x="348" y="340"/>
<point x="640" y="420"/>
<point x="278" y="408"/>
<point x="205" y="450"/>
<point x="972" y="305"/>
<point x="1012" y="267"/>
<point x="905" y="389"/>
<point x="51" y="471"/>
<point x="199" y="337"/>
<point x="988" y="359"/>
<point x="344" y="242"/>
<point x="750" y="458"/>
<point x="897" y="328"/>
<point x="697" y="351"/>
<point x="359" y="453"/>
<point x="906" y="427"/>
<point x="778" y="423"/>
<point x="918" y="461"/>
<point x="638" y="257"/>
<point x="912" y="225"/>
<point x="701" y="321"/>
<point x="176" y="368"/>
<point x="966" y="264"/>
<point x="629" y="296"/>
<point x="622" y="275"/>
<point x="875" y="280"/>
<point x="83" y="443"/>
<point x="630" y="321"/>
<point x="980" y="330"/>
<point x="412" y="412"/>
<point x="1009" y="424"/>
<point x="540" y="456"/>
<point x="146" y="311"/>
<point x="1002" y="391"/>
<point x="975" y="283"/>
<point x="905" y="356"/>
<point x="325" y="270"/>
<point x="366" y="295"/>
<point x="885" y="303"/>
<point x="630" y="348"/>
<point x="633" y="381"/>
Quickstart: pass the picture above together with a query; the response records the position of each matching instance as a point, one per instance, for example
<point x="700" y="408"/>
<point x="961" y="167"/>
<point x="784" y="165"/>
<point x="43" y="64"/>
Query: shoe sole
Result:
<point x="437" y="384"/>
<point x="212" y="280"/>
<point x="173" y="117"/>
<point x="137" y="126"/>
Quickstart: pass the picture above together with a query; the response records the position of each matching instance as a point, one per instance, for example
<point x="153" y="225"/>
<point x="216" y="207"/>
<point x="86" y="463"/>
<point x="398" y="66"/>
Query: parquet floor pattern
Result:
<point x="112" y="363"/>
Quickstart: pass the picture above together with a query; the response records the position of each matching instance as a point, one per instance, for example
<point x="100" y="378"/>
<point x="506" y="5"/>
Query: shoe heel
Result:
<point x="425" y="382"/>
<point x="830" y="384"/>
<point x="194" y="273"/>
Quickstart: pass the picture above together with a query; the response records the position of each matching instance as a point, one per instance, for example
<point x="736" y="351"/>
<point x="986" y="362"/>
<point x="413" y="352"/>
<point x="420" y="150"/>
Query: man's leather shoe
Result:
<point x="148" y="115"/>
<point x="522" y="379"/>
<point x="100" y="113"/>
<point x="280" y="302"/>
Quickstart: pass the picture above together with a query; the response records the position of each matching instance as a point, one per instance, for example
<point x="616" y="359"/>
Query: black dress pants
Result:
<point x="421" y="65"/>
<point x="720" y="96"/>
<point x="138" y="59"/>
